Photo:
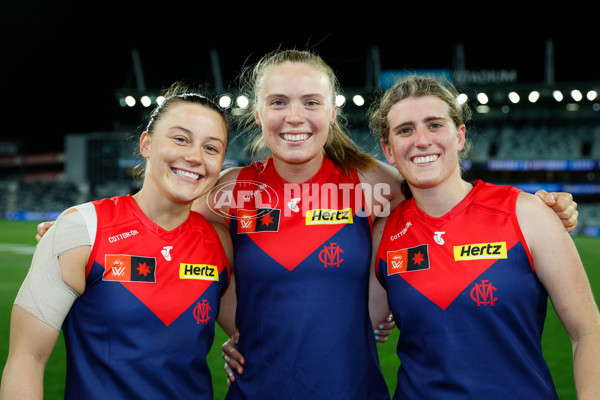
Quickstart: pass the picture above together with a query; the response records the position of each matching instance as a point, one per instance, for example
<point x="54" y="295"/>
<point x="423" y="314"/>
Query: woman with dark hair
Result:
<point x="134" y="282"/>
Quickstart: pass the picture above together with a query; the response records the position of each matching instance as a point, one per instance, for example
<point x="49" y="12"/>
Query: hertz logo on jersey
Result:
<point x="198" y="271"/>
<point x="480" y="251"/>
<point x="329" y="217"/>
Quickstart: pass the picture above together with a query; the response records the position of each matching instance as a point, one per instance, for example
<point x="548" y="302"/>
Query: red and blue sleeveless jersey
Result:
<point x="466" y="299"/>
<point x="302" y="256"/>
<point x="145" y="323"/>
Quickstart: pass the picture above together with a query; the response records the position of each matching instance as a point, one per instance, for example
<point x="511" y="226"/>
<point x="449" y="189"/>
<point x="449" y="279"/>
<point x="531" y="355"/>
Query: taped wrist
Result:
<point x="43" y="293"/>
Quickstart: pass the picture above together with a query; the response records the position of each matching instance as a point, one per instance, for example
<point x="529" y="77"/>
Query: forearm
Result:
<point x="226" y="321"/>
<point x="378" y="302"/>
<point x="23" y="379"/>
<point x="226" y="317"/>
<point x="30" y="346"/>
<point x="586" y="353"/>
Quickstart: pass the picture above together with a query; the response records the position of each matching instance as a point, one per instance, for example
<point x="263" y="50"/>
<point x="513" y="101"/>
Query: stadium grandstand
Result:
<point x="534" y="136"/>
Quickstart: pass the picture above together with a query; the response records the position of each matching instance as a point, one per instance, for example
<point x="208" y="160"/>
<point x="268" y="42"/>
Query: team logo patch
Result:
<point x="483" y="293"/>
<point x="329" y="217"/>
<point x="259" y="220"/>
<point x="480" y="251"/>
<point x="127" y="268"/>
<point x="201" y="312"/>
<point x="331" y="256"/>
<point x="198" y="271"/>
<point x="408" y="260"/>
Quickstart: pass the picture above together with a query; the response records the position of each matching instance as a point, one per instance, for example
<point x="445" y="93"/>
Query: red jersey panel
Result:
<point x="145" y="322"/>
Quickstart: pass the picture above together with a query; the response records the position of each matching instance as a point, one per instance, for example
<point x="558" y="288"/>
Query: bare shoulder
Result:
<point x="383" y="184"/>
<point x="539" y="223"/>
<point x="381" y="173"/>
<point x="530" y="208"/>
<point x="230" y="174"/>
<point x="225" y="238"/>
<point x="221" y="230"/>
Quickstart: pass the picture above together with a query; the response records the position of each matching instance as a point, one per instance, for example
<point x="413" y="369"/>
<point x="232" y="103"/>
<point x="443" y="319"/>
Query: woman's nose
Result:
<point x="194" y="155"/>
<point x="294" y="113"/>
<point x="422" y="137"/>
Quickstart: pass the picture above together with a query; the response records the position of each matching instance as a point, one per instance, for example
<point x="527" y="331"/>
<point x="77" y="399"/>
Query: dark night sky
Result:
<point x="61" y="65"/>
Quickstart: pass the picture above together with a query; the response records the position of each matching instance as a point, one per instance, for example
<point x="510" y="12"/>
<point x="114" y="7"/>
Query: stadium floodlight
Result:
<point x="358" y="100"/>
<point x="340" y="100"/>
<point x="576" y="95"/>
<point x="534" y="96"/>
<point x="514" y="97"/>
<point x="591" y="95"/>
<point x="482" y="98"/>
<point x="130" y="101"/>
<point x="160" y="100"/>
<point x="242" y="101"/>
<point x="146" y="101"/>
<point x="558" y="96"/>
<point x="224" y="101"/>
<point x="462" y="98"/>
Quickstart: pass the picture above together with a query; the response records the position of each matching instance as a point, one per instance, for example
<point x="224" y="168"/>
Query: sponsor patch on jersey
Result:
<point x="128" y="268"/>
<point x="258" y="220"/>
<point x="408" y="260"/>
<point x="329" y="217"/>
<point x="480" y="251"/>
<point x="198" y="271"/>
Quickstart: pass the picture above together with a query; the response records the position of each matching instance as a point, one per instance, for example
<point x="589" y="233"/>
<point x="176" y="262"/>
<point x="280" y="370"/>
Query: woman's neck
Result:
<point x="162" y="211"/>
<point x="440" y="199"/>
<point x="300" y="172"/>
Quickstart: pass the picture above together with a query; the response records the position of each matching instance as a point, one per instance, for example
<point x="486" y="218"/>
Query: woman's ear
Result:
<point x="257" y="117"/>
<point x="333" y="116"/>
<point x="461" y="137"/>
<point x="387" y="152"/>
<point x="145" y="139"/>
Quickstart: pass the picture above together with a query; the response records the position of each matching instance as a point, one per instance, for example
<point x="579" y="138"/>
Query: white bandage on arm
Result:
<point x="43" y="293"/>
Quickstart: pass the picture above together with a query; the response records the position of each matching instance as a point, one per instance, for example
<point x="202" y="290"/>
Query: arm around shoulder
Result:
<point x="227" y="307"/>
<point x="378" y="303"/>
<point x="382" y="186"/>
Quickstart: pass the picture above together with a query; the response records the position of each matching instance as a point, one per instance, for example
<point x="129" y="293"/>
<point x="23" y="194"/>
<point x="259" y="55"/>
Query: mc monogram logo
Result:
<point x="201" y="312"/>
<point x="483" y="293"/>
<point x="330" y="256"/>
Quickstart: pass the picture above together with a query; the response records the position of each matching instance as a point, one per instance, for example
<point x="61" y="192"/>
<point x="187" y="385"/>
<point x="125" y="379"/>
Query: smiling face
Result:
<point x="184" y="153"/>
<point x="424" y="141"/>
<point x="295" y="109"/>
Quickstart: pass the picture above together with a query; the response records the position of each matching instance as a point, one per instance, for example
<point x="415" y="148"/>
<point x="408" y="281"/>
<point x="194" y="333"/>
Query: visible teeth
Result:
<point x="425" y="159"/>
<point x="295" y="137"/>
<point x="187" y="174"/>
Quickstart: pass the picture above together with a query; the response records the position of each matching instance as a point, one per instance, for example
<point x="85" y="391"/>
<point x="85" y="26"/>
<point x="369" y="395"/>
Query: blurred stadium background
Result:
<point x="536" y="121"/>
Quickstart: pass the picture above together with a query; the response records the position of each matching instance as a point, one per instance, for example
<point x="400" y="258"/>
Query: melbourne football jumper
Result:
<point x="302" y="254"/>
<point x="466" y="299"/>
<point x="145" y="322"/>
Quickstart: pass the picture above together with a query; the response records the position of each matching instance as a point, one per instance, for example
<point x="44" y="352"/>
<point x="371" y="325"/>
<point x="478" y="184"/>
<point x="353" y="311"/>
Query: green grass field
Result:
<point x="16" y="247"/>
